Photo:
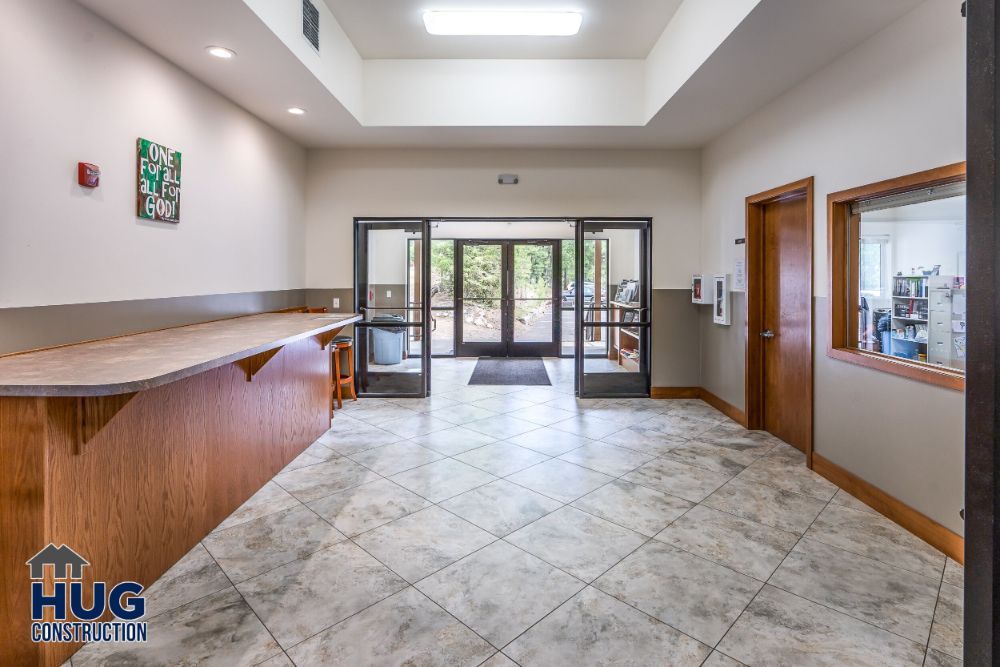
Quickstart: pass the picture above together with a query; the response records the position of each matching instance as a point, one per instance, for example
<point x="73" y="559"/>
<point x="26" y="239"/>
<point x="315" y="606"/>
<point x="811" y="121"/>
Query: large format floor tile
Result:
<point x="324" y="479"/>
<point x="452" y="441"/>
<point x="678" y="479"/>
<point x="946" y="634"/>
<point x="699" y="598"/>
<point x="501" y="507"/>
<point x="602" y="457"/>
<point x="634" y="506"/>
<point x="297" y="600"/>
<point x="216" y="630"/>
<point x="579" y="543"/>
<point x="785" y="468"/>
<point x="742" y="545"/>
<point x="397" y="457"/>
<point x="711" y="457"/>
<point x="779" y="628"/>
<point x="645" y="440"/>
<point x="767" y="505"/>
<point x="500" y="591"/>
<point x="405" y="629"/>
<point x="498" y="541"/>
<point x="890" y="598"/>
<point x="246" y="550"/>
<point x="193" y="576"/>
<point x="560" y="480"/>
<point x="269" y="499"/>
<point x="502" y="426"/>
<point x="423" y="542"/>
<point x="442" y="479"/>
<point x="549" y="441"/>
<point x="595" y="629"/>
<point x="368" y="506"/>
<point x="877" y="537"/>
<point x="501" y="458"/>
<point x="588" y="427"/>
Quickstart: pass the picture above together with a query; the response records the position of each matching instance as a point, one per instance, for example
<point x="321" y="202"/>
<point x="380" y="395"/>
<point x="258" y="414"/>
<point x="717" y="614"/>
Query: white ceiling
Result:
<point x="611" y="29"/>
<point x="779" y="44"/>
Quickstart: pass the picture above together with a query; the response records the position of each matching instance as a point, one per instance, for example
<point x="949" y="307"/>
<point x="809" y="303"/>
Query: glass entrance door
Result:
<point x="620" y="321"/>
<point x="507" y="298"/>
<point x="392" y="264"/>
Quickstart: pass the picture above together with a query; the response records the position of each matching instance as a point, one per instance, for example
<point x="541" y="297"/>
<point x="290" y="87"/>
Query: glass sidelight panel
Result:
<point x="442" y="297"/>
<point x="482" y="299"/>
<point x="596" y="260"/>
<point x="392" y="276"/>
<point x="534" y="298"/>
<point x="616" y="319"/>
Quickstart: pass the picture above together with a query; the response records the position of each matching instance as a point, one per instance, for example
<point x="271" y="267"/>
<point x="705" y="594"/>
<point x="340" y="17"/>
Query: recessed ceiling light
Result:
<point x="296" y="111"/>
<point x="220" y="52"/>
<point x="510" y="23"/>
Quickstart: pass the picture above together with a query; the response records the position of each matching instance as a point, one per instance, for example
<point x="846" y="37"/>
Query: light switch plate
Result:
<point x="388" y="294"/>
<point x="336" y="303"/>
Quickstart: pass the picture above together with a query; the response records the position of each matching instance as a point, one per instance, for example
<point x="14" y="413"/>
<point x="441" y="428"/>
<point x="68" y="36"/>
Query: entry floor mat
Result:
<point x="510" y="371"/>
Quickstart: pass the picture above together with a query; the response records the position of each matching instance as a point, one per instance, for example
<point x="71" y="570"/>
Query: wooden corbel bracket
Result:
<point x="252" y="365"/>
<point x="92" y="414"/>
<point x="327" y="337"/>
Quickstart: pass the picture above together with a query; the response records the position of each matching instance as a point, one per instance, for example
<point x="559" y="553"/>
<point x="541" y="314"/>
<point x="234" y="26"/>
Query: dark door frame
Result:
<point x="616" y="385"/>
<point x="507" y="346"/>
<point x="755" y="301"/>
<point x="982" y="385"/>
<point x="397" y="384"/>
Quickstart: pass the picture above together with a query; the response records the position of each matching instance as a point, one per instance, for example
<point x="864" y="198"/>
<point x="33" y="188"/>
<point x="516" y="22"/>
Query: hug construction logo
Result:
<point x="70" y="619"/>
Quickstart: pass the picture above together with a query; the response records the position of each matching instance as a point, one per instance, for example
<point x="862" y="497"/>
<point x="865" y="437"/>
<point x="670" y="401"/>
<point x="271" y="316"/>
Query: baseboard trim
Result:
<point x="719" y="404"/>
<point x="674" y="392"/>
<point x="922" y="526"/>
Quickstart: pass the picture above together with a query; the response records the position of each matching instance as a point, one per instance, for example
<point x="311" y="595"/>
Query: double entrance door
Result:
<point x="507" y="298"/>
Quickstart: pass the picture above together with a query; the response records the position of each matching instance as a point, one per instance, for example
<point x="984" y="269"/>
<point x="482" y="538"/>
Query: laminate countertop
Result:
<point x="146" y="360"/>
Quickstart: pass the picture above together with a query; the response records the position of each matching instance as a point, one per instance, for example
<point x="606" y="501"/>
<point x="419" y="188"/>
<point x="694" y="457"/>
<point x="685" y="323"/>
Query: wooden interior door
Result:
<point x="786" y="329"/>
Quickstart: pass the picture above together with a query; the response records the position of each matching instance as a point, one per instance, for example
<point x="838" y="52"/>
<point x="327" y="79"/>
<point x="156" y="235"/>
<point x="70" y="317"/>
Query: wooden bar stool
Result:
<point x="341" y="343"/>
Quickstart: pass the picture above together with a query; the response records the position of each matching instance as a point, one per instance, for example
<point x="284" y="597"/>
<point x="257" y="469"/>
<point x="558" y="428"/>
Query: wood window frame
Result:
<point x="843" y="248"/>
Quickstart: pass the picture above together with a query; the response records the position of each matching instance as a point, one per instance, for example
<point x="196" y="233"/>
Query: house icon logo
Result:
<point x="66" y="609"/>
<point x="60" y="559"/>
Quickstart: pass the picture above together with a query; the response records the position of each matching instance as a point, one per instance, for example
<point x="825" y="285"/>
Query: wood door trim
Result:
<point x="754" y="369"/>
<point x="842" y="244"/>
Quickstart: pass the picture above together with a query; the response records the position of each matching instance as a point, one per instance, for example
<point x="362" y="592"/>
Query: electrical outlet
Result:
<point x="388" y="294"/>
<point x="336" y="303"/>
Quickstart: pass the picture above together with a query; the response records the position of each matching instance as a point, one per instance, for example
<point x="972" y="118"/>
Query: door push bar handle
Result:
<point x="767" y="333"/>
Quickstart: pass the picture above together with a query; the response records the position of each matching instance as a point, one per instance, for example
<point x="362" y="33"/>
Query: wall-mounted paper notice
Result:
<point x="740" y="275"/>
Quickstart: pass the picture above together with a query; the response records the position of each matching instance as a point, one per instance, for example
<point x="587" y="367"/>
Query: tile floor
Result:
<point x="511" y="525"/>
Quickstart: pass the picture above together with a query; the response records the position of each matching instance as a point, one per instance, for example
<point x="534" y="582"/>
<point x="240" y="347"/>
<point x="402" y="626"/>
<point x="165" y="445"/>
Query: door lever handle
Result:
<point x="767" y="333"/>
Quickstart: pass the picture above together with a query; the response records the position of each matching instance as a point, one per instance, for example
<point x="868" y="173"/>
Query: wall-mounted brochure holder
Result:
<point x="720" y="299"/>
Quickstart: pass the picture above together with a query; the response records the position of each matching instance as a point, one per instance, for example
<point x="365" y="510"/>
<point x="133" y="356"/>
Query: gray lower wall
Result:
<point x="723" y="352"/>
<point x="44" y="326"/>
<point x="676" y="343"/>
<point x="903" y="436"/>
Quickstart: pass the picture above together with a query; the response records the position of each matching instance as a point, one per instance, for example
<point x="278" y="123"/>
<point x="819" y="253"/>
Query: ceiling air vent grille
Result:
<point x="310" y="23"/>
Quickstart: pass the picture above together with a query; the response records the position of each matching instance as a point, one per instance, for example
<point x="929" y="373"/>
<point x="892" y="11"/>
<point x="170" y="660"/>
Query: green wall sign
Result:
<point x="159" y="173"/>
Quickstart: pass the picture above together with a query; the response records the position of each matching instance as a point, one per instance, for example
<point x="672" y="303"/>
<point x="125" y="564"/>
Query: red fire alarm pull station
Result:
<point x="88" y="175"/>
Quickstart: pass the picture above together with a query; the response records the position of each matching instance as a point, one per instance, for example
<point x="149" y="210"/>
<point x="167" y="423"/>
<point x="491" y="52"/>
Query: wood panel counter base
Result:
<point x="133" y="481"/>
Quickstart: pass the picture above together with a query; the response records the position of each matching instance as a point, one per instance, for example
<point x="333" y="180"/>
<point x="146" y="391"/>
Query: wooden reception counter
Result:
<point x="130" y="450"/>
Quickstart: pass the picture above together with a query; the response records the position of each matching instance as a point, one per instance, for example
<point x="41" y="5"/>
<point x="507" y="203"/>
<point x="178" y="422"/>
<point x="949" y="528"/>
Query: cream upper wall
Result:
<point x="80" y="90"/>
<point x="343" y="184"/>
<point x="893" y="106"/>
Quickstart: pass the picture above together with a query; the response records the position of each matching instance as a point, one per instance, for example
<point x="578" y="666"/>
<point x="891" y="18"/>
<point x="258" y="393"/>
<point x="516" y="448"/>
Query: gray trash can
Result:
<point x="388" y="342"/>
